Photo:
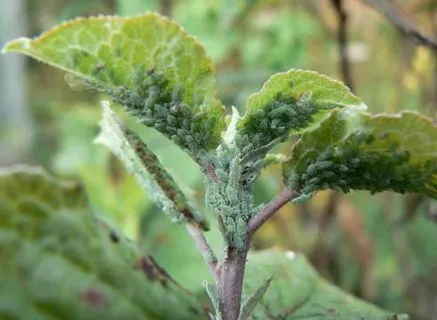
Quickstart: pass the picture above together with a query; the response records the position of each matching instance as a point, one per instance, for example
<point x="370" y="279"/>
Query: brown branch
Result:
<point x="166" y="8"/>
<point x="269" y="210"/>
<point x="229" y="277"/>
<point x="203" y="246"/>
<point x="342" y="43"/>
<point x="392" y="11"/>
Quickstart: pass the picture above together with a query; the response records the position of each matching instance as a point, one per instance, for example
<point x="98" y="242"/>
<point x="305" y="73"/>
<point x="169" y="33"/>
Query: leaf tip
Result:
<point x="17" y="45"/>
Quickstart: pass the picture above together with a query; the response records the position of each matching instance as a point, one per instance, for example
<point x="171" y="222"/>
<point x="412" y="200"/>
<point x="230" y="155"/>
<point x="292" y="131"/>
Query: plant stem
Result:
<point x="269" y="210"/>
<point x="230" y="271"/>
<point x="203" y="246"/>
<point x="230" y="275"/>
<point x="393" y="12"/>
<point x="343" y="43"/>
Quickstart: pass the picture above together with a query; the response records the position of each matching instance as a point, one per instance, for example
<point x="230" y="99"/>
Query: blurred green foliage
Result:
<point x="379" y="248"/>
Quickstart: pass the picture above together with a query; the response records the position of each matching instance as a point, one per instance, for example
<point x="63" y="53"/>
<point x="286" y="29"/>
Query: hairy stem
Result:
<point x="203" y="246"/>
<point x="230" y="271"/>
<point x="230" y="275"/>
<point x="270" y="209"/>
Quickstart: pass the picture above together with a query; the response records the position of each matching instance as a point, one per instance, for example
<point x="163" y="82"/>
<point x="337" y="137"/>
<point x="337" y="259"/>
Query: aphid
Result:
<point x="172" y="120"/>
<point x="148" y="121"/>
<point x="176" y="139"/>
<point x="160" y="127"/>
<point x="175" y="107"/>
<point x="98" y="68"/>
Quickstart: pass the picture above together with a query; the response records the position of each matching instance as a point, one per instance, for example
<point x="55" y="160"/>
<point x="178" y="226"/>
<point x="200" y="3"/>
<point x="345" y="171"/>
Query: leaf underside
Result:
<point x="127" y="146"/>
<point x="355" y="150"/>
<point x="298" y="292"/>
<point x="60" y="262"/>
<point x="289" y="102"/>
<point x="146" y="63"/>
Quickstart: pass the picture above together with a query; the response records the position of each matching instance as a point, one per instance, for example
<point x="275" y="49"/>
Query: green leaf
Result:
<point x="213" y="295"/>
<point x="298" y="292"/>
<point x="146" y="63"/>
<point x="355" y="150"/>
<point x="145" y="166"/>
<point x="60" y="262"/>
<point x="249" y="305"/>
<point x="171" y="245"/>
<point x="289" y="102"/>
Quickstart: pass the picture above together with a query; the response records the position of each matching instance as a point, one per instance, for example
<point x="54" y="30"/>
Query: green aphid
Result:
<point x="275" y="123"/>
<point x="325" y="155"/>
<point x="182" y="132"/>
<point x="222" y="174"/>
<point x="322" y="165"/>
<point x="161" y="111"/>
<point x="355" y="161"/>
<point x="341" y="182"/>
<point x="172" y="120"/>
<point x="160" y="127"/>
<point x="314" y="181"/>
<point x="189" y="140"/>
<point x="277" y="113"/>
<point x="280" y="130"/>
<point x="147" y="121"/>
<point x="186" y="123"/>
<point x="343" y="168"/>
<point x="247" y="148"/>
<point x="327" y="174"/>
<point x="312" y="169"/>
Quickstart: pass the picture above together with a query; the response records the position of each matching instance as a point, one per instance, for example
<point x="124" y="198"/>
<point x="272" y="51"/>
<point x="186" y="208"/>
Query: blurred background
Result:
<point x="380" y="248"/>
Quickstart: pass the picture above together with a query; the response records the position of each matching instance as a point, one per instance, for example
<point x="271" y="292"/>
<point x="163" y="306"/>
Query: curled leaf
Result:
<point x="147" y="63"/>
<point x="355" y="150"/>
<point x="289" y="102"/>
<point x="147" y="169"/>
